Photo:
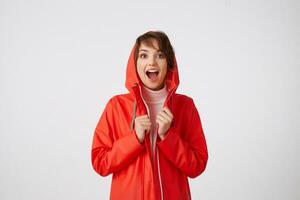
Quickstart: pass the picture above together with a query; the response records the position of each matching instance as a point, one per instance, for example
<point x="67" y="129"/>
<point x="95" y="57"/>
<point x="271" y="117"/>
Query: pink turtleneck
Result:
<point x="155" y="101"/>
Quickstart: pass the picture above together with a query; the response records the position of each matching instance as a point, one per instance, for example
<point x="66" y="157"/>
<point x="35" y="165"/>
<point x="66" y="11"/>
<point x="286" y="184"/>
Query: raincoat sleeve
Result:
<point x="191" y="154"/>
<point x="109" y="155"/>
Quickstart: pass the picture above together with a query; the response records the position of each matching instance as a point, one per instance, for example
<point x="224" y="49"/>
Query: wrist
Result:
<point x="161" y="136"/>
<point x="141" y="140"/>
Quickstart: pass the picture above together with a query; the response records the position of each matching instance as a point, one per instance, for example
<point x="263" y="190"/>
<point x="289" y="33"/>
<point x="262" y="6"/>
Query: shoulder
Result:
<point x="119" y="99"/>
<point x="182" y="98"/>
<point x="185" y="101"/>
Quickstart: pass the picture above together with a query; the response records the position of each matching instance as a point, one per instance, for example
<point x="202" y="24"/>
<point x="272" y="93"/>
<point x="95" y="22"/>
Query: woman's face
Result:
<point x="152" y="66"/>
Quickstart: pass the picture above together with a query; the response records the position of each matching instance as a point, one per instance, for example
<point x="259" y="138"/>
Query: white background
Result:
<point x="60" y="62"/>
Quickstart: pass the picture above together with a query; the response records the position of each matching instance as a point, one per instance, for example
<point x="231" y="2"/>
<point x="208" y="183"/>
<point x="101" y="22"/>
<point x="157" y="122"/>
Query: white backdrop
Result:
<point x="60" y="62"/>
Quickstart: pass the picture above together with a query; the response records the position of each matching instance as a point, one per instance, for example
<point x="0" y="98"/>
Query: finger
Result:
<point x="144" y="120"/>
<point x="142" y="117"/>
<point x="167" y="110"/>
<point x="146" y="123"/>
<point x="166" y="116"/>
<point x="162" y="119"/>
<point x="159" y="121"/>
<point x="148" y="129"/>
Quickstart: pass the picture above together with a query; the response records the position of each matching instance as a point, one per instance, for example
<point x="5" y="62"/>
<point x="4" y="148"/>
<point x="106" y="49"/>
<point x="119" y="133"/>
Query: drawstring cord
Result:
<point x="134" y="115"/>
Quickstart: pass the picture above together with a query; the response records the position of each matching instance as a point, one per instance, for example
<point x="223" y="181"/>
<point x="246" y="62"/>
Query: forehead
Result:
<point x="150" y="46"/>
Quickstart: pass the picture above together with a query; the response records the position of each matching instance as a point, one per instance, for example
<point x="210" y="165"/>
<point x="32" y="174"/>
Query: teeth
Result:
<point x="152" y="70"/>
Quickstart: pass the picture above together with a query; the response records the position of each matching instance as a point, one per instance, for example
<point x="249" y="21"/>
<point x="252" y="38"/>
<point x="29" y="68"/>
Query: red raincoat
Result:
<point x="116" y="149"/>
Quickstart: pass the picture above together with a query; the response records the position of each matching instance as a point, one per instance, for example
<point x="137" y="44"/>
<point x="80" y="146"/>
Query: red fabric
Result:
<point x="116" y="149"/>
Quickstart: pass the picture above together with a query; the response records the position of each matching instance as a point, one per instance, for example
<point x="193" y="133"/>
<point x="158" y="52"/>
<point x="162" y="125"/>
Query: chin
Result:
<point x="155" y="87"/>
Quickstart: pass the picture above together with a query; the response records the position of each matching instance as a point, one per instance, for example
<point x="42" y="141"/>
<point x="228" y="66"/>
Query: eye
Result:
<point x="161" y="55"/>
<point x="143" y="55"/>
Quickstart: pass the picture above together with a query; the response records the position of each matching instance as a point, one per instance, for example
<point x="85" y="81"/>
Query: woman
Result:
<point x="150" y="139"/>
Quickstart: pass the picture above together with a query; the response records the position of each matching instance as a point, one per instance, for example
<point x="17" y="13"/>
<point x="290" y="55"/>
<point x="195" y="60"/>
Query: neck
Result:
<point x="154" y="96"/>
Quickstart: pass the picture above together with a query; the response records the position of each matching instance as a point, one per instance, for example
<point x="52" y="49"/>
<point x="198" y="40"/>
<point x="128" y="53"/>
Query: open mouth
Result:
<point x="152" y="74"/>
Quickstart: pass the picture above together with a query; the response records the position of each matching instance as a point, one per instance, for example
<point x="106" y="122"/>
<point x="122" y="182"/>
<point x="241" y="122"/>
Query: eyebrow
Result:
<point x="147" y="50"/>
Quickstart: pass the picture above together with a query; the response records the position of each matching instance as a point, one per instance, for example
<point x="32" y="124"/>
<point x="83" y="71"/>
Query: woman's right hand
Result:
<point x="142" y="127"/>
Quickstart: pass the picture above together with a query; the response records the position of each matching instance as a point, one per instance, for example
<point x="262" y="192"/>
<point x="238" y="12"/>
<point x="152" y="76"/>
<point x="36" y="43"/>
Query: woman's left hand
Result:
<point x="164" y="119"/>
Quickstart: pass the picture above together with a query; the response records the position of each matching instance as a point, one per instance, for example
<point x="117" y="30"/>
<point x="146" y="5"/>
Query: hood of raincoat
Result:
<point x="132" y="78"/>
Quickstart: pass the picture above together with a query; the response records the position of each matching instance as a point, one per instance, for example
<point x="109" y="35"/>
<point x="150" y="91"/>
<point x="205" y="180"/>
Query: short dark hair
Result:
<point x="163" y="43"/>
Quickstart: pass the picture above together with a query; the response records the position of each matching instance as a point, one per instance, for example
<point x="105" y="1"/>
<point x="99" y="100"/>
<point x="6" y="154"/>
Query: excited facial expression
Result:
<point x="152" y="66"/>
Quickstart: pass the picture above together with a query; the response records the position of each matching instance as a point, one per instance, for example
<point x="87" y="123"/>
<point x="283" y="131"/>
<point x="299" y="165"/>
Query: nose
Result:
<point x="152" y="60"/>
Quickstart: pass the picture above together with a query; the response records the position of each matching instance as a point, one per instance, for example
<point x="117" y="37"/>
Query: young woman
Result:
<point x="150" y="139"/>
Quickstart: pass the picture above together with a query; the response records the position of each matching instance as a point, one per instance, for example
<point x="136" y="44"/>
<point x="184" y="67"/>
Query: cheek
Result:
<point x="164" y="69"/>
<point x="140" y="68"/>
<point x="164" y="74"/>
